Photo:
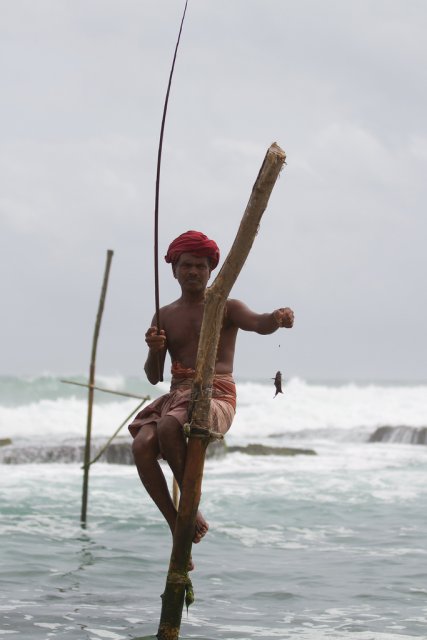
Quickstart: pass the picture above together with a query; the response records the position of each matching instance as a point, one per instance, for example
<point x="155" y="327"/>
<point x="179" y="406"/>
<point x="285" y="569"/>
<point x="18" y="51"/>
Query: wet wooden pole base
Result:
<point x="216" y="297"/>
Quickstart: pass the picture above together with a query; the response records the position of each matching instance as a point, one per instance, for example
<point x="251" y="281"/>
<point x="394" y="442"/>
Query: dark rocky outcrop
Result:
<point x="263" y="450"/>
<point x="119" y="452"/>
<point x="402" y="434"/>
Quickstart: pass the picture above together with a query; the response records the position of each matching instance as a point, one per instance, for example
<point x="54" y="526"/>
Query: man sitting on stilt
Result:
<point x="158" y="429"/>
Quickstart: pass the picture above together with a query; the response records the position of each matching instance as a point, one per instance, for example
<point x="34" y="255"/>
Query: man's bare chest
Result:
<point x="184" y="327"/>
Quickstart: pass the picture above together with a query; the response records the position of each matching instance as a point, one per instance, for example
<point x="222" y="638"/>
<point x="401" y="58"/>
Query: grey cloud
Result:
<point x="341" y="86"/>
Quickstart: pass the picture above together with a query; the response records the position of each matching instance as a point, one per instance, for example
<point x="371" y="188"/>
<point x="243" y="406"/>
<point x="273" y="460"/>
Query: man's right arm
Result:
<point x="263" y="323"/>
<point x="157" y="348"/>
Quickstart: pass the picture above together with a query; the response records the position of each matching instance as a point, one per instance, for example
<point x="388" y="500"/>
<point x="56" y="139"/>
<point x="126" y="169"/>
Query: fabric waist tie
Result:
<point x="223" y="387"/>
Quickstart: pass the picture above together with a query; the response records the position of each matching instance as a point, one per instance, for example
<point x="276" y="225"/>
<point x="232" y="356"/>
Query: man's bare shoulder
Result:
<point x="234" y="305"/>
<point x="171" y="306"/>
<point x="233" y="309"/>
<point x="166" y="311"/>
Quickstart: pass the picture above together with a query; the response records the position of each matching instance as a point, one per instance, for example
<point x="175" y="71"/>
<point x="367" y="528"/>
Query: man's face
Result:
<point x="192" y="272"/>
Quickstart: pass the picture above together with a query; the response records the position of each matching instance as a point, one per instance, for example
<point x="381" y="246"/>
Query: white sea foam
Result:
<point x="63" y="417"/>
<point x="310" y="407"/>
<point x="305" y="410"/>
<point x="115" y="382"/>
<point x="109" y="635"/>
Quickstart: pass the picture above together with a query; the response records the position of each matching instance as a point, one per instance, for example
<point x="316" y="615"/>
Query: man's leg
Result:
<point x="173" y="448"/>
<point x="146" y="450"/>
<point x="165" y="438"/>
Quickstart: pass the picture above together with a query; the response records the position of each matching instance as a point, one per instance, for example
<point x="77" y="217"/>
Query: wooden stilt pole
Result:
<point x="91" y="387"/>
<point x="177" y="581"/>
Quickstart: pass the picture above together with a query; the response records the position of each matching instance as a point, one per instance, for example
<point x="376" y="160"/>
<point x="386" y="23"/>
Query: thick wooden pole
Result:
<point x="216" y="296"/>
<point x="92" y="387"/>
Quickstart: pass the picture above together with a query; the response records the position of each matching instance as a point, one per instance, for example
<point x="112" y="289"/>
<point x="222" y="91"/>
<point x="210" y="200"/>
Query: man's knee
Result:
<point x="168" y="426"/>
<point x="145" y="445"/>
<point x="169" y="432"/>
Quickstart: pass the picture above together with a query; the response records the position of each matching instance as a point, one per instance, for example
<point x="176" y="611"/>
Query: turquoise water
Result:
<point x="308" y="548"/>
<point x="294" y="551"/>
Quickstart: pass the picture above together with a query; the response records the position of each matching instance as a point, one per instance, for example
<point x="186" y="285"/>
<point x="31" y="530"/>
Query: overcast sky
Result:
<point x="339" y="84"/>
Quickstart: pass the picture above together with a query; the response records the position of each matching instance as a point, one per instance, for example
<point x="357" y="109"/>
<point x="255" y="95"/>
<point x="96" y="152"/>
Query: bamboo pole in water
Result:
<point x="91" y="387"/>
<point x="177" y="582"/>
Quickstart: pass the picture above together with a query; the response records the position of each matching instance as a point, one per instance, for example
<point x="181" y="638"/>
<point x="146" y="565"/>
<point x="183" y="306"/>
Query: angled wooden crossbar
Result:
<point x="125" y="394"/>
<point x="119" y="428"/>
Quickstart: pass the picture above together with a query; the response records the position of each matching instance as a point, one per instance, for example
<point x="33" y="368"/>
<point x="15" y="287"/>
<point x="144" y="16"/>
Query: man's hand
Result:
<point x="284" y="317"/>
<point x="156" y="342"/>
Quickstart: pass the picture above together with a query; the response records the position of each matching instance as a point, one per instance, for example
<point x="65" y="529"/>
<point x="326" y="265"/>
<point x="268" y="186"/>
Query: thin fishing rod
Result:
<point x="159" y="161"/>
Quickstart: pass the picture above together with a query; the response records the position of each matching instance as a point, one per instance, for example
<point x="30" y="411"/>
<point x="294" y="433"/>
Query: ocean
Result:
<point x="331" y="545"/>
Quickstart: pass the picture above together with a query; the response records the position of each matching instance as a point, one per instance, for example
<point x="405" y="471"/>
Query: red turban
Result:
<point x="195" y="243"/>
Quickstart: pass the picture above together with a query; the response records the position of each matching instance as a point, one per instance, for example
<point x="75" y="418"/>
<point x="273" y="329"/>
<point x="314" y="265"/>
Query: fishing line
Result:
<point x="159" y="161"/>
<point x="156" y="206"/>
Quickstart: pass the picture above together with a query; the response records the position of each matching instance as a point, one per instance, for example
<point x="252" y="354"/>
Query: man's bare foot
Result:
<point x="201" y="528"/>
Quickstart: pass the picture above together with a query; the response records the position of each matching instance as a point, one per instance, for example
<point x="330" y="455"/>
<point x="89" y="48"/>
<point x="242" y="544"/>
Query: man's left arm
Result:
<point x="264" y="323"/>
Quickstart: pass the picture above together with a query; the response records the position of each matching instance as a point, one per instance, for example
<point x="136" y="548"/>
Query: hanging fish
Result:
<point x="278" y="383"/>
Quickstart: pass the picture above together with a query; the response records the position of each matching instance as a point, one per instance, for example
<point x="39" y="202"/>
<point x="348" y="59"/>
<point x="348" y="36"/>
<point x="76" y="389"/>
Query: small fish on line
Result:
<point x="278" y="383"/>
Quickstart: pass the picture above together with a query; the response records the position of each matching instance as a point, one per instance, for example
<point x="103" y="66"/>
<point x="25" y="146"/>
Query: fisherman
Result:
<point x="158" y="429"/>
